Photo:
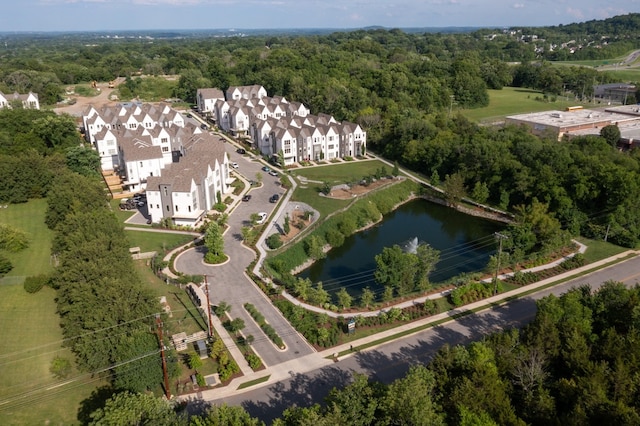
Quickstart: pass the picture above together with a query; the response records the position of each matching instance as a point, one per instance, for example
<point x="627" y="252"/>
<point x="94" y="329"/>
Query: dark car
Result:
<point x="246" y="197"/>
<point x="274" y="198"/>
<point x="266" y="169"/>
<point x="204" y="127"/>
<point x="241" y="151"/>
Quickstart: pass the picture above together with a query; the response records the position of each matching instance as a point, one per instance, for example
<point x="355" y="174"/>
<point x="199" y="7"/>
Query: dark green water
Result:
<point x="465" y="244"/>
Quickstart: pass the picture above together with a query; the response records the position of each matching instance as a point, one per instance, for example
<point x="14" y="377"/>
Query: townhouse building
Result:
<point x="186" y="190"/>
<point x="28" y="100"/>
<point x="276" y="125"/>
<point x="152" y="148"/>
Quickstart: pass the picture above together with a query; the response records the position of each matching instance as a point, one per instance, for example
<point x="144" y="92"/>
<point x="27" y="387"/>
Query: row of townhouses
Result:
<point x="276" y="125"/>
<point x="183" y="169"/>
<point x="28" y="100"/>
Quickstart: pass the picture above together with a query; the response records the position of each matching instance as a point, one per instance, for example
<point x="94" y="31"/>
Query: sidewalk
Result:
<point x="325" y="358"/>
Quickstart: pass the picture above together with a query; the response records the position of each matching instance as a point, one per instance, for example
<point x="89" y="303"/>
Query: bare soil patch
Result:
<point x="297" y="223"/>
<point x="355" y="190"/>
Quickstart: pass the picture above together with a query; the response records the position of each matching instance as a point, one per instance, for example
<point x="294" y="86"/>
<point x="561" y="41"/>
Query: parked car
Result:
<point x="128" y="204"/>
<point x="204" y="127"/>
<point x="241" y="151"/>
<point x="274" y="198"/>
<point x="273" y="173"/>
<point x="234" y="165"/>
<point x="262" y="216"/>
<point x="246" y="197"/>
<point x="266" y="169"/>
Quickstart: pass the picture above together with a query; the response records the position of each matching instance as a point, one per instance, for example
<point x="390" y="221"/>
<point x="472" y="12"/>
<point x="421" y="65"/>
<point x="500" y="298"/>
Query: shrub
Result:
<point x="274" y="241"/>
<point x="254" y="361"/>
<point x="5" y="265"/>
<point x="60" y="367"/>
<point x="35" y="283"/>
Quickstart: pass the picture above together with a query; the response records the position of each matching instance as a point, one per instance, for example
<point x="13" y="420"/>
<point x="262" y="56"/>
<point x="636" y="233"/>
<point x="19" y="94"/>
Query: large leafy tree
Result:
<point x="128" y="408"/>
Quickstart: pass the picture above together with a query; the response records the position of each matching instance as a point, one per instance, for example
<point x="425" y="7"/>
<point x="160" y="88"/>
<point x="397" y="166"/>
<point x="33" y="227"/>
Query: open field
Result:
<point x="516" y="100"/>
<point x="31" y="335"/>
<point x="35" y="260"/>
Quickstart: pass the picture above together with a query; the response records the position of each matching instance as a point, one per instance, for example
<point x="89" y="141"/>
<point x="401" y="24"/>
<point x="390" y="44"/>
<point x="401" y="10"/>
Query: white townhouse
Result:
<point x="28" y="101"/>
<point x="188" y="189"/>
<point x="245" y="92"/>
<point x="207" y="98"/>
<point x="139" y="159"/>
<point x="104" y="126"/>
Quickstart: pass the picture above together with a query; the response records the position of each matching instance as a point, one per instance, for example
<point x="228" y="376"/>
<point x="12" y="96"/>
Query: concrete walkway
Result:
<point x="326" y="358"/>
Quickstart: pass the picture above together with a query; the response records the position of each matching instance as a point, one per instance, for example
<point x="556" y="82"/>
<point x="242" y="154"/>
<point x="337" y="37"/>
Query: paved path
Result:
<point x="364" y="351"/>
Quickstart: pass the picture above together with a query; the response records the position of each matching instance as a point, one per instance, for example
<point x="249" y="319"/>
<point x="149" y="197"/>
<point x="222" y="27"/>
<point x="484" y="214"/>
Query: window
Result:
<point x="330" y="147"/>
<point x="164" y="140"/>
<point x="141" y="164"/>
<point x="176" y="207"/>
<point x="165" y="149"/>
<point x="165" y="190"/>
<point x="168" y="208"/>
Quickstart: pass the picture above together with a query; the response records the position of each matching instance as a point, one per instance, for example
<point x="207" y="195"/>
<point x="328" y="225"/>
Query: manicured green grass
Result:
<point x="31" y="334"/>
<point x="31" y="338"/>
<point x="598" y="249"/>
<point x="162" y="242"/>
<point x="351" y="171"/>
<point x="627" y="74"/>
<point x="515" y="100"/>
<point x="254" y="382"/>
<point x="185" y="316"/>
<point x="36" y="259"/>
<point x="311" y="195"/>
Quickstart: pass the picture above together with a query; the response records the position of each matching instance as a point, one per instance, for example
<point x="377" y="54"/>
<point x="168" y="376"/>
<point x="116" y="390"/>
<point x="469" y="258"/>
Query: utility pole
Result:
<point x="495" y="279"/>
<point x="167" y="391"/>
<point x="206" y="285"/>
<point x="606" y="235"/>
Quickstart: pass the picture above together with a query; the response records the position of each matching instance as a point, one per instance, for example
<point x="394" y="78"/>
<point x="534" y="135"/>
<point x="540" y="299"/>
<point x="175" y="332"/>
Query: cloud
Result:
<point x="518" y="6"/>
<point x="575" y="13"/>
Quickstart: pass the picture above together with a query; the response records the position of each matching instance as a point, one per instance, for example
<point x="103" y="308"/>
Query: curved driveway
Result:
<point x="229" y="283"/>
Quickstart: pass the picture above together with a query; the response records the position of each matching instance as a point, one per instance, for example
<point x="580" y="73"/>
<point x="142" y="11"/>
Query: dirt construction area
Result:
<point x="81" y="102"/>
<point x="353" y="191"/>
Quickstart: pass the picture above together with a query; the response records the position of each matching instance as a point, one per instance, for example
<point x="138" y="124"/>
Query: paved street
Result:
<point x="229" y="283"/>
<point x="390" y="361"/>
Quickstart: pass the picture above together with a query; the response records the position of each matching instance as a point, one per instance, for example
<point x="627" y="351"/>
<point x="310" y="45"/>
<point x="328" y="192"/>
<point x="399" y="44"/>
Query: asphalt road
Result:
<point x="392" y="360"/>
<point x="229" y="283"/>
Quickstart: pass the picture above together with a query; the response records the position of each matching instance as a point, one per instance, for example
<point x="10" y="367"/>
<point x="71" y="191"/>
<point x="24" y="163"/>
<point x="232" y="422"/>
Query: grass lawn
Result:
<point x="161" y="242"/>
<point x="35" y="260"/>
<point x="515" y="100"/>
<point x="185" y="316"/>
<point x="31" y="335"/>
<point x="350" y="171"/>
<point x="310" y="195"/>
<point x="31" y="338"/>
<point x="598" y="249"/>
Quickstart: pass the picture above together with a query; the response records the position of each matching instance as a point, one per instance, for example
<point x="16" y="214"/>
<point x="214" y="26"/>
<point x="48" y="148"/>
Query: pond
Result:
<point x="465" y="244"/>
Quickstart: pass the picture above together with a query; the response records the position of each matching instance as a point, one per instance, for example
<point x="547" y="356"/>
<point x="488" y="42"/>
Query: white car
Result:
<point x="262" y="216"/>
<point x="234" y="165"/>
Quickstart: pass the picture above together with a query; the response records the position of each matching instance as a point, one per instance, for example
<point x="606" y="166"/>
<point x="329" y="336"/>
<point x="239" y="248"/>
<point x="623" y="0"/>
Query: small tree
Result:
<point x="344" y="298"/>
<point x="367" y="297"/>
<point x="60" y="367"/>
<point x="611" y="134"/>
<point x="396" y="170"/>
<point x="287" y="227"/>
<point x="236" y="325"/>
<point x="222" y="308"/>
<point x="274" y="241"/>
<point x="194" y="361"/>
<point x="214" y="242"/>
<point x="259" y="177"/>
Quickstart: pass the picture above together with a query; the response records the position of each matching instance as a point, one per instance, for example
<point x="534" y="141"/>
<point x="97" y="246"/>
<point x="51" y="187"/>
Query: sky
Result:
<point x="114" y="15"/>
